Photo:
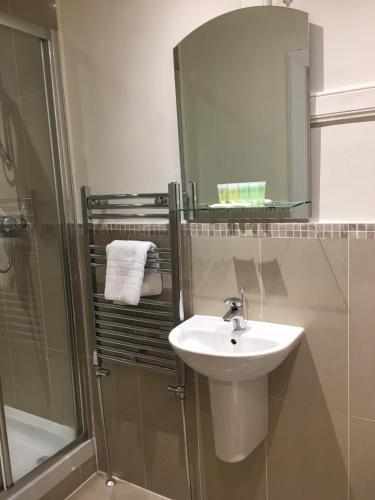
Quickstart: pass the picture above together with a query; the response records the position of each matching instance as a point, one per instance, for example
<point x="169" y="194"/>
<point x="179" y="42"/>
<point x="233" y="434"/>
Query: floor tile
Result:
<point x="95" y="489"/>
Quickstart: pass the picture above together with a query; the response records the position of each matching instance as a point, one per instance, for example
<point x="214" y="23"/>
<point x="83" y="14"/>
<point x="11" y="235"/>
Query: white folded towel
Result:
<point x="126" y="280"/>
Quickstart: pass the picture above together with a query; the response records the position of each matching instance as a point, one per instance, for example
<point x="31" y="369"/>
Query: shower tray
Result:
<point x="33" y="439"/>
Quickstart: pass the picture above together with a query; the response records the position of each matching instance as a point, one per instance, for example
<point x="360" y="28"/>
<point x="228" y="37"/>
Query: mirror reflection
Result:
<point x="241" y="84"/>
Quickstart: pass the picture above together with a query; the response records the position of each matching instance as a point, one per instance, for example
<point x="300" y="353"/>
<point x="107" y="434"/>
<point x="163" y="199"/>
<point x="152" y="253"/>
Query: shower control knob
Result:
<point x="7" y="224"/>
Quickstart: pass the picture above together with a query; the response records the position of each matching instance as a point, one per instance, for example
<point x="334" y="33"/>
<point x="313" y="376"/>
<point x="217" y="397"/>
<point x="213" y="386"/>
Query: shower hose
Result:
<point x="4" y="270"/>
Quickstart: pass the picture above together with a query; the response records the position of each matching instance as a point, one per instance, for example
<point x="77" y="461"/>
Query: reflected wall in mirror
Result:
<point x="242" y="99"/>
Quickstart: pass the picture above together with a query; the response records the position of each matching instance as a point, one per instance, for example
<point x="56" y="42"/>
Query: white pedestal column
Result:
<point x="240" y="416"/>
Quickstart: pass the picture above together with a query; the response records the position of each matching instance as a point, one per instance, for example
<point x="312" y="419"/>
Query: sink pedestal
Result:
<point x="237" y="366"/>
<point x="240" y="416"/>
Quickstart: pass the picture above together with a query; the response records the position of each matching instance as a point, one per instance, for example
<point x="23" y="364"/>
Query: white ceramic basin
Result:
<point x="208" y="345"/>
<point x="237" y="367"/>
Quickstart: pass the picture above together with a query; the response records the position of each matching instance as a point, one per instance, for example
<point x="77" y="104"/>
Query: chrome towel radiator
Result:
<point x="136" y="335"/>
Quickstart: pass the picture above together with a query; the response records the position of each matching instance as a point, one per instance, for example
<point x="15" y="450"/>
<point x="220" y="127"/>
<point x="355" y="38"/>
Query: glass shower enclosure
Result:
<point x="40" y="410"/>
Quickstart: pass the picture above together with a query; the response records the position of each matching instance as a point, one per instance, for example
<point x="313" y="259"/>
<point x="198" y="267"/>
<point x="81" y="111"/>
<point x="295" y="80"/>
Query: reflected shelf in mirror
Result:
<point x="243" y="207"/>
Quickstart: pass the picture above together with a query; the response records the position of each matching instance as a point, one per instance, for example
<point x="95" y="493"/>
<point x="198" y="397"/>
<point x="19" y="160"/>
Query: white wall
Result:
<point x="119" y="81"/>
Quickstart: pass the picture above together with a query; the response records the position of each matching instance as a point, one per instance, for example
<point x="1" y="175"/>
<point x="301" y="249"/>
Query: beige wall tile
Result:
<point x="32" y="389"/>
<point x="22" y="297"/>
<point x="191" y="409"/>
<point x="4" y="6"/>
<point x="362" y="459"/>
<point x="221" y="267"/>
<point x="6" y="372"/>
<point x="163" y="439"/>
<point x="305" y="284"/>
<point x="62" y="393"/>
<point x="88" y="469"/>
<point x="40" y="12"/>
<point x="53" y="293"/>
<point x="362" y="328"/>
<point x="29" y="64"/>
<point x="14" y="183"/>
<point x="65" y="487"/>
<point x="8" y="71"/>
<point x="307" y="453"/>
<point x="224" y="481"/>
<point x="38" y="151"/>
<point x="123" y="421"/>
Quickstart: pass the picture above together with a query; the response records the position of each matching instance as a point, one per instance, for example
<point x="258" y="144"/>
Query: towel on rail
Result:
<point x="126" y="280"/>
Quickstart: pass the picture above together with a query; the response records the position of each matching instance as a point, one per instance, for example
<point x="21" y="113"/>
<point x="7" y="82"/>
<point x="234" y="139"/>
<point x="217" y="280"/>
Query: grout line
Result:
<point x="142" y="434"/>
<point x="198" y="423"/>
<point x="348" y="378"/>
<point x="260" y="278"/>
<point x="266" y="449"/>
<point x="312" y="407"/>
<point x="16" y="64"/>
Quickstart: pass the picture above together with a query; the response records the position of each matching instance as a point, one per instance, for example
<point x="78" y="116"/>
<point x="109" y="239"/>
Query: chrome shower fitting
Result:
<point x="5" y="158"/>
<point x="12" y="223"/>
<point x="4" y="270"/>
<point x="9" y="225"/>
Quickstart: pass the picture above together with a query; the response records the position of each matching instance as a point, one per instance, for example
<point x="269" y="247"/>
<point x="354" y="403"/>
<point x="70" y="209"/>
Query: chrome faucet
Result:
<point x="235" y="313"/>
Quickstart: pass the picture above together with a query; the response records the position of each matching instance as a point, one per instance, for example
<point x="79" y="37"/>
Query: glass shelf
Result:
<point x="231" y="207"/>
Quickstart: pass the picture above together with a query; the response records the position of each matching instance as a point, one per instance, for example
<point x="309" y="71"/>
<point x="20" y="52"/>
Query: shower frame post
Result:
<point x="4" y="444"/>
<point x="91" y="284"/>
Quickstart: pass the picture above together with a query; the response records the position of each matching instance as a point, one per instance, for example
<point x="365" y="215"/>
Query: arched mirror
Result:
<point x="242" y="99"/>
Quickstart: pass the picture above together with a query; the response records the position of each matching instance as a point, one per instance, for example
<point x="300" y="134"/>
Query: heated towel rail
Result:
<point x="135" y="335"/>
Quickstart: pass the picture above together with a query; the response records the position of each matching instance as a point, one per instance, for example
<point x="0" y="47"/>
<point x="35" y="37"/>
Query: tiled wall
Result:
<point x="34" y="355"/>
<point x="35" y="361"/>
<point x="143" y="421"/>
<point x="41" y="12"/>
<point x="321" y="442"/>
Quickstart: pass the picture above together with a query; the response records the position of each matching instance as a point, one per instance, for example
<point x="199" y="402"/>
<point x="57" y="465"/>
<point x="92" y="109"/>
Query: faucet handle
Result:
<point x="234" y="302"/>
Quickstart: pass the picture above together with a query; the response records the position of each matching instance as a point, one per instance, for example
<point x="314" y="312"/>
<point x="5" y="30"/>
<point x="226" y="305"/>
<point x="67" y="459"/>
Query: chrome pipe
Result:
<point x="147" y="269"/>
<point x="148" y="302"/>
<point x="126" y="216"/>
<point x="103" y="248"/>
<point x="137" y="364"/>
<point x="131" y="345"/>
<point x="110" y="481"/>
<point x="124" y="307"/>
<point x="136" y="356"/>
<point x="129" y="336"/>
<point x="150" y="260"/>
<point x="131" y="206"/>
<point x="167" y="324"/>
<point x="134" y="328"/>
<point x="125" y="196"/>
<point x="174" y="232"/>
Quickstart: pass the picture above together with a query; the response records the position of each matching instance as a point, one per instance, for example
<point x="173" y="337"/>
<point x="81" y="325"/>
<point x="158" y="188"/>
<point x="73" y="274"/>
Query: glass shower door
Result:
<point x="36" y="365"/>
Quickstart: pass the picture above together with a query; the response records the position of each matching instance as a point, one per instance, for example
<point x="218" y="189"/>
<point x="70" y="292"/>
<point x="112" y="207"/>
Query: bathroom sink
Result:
<point x="237" y="366"/>
<point x="208" y="345"/>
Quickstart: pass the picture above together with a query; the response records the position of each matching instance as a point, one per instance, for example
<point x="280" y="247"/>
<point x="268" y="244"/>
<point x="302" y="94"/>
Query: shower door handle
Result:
<point x="4" y="444"/>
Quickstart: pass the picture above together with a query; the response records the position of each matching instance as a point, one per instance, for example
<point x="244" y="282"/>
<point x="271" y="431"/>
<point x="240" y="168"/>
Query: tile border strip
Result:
<point x="145" y="229"/>
<point x="312" y="230"/>
<point x="283" y="230"/>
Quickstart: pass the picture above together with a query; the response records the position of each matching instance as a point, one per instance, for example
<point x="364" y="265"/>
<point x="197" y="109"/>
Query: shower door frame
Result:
<point x="69" y="248"/>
